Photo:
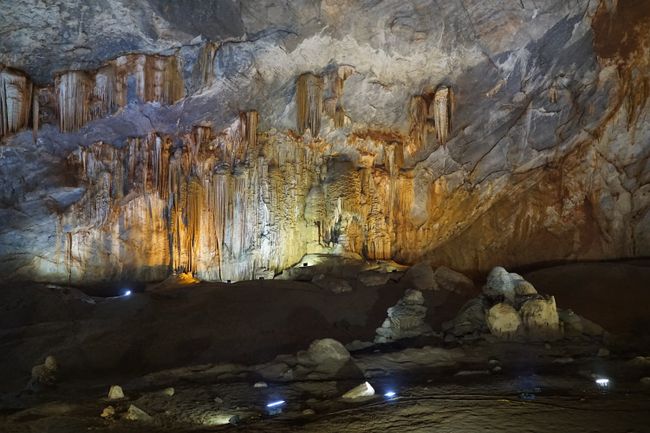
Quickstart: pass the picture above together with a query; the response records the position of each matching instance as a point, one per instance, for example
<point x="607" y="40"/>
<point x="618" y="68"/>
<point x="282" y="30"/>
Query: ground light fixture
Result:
<point x="390" y="394"/>
<point x="603" y="382"/>
<point x="275" y="407"/>
<point x="126" y="292"/>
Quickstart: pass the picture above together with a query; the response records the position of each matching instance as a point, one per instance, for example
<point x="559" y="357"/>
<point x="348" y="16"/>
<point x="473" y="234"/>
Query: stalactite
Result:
<point x="442" y="107"/>
<point x="248" y="128"/>
<point x="35" y="116"/>
<point x="104" y="89"/>
<point x="73" y="90"/>
<point x="15" y="100"/>
<point x="339" y="117"/>
<point x="309" y="95"/>
<point x="418" y="114"/>
<point x="204" y="68"/>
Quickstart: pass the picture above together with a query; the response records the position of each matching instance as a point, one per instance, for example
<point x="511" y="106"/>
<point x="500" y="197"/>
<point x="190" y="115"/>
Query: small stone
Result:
<point x="645" y="381"/>
<point x="218" y="400"/>
<point x="46" y="373"/>
<point x="309" y="412"/>
<point x="108" y="412"/>
<point x="603" y="352"/>
<point x="169" y="392"/>
<point x="547" y="346"/>
<point x="496" y="369"/>
<point x="563" y="360"/>
<point x="134" y="413"/>
<point x="115" y="393"/>
<point x="260" y="385"/>
<point x="361" y="391"/>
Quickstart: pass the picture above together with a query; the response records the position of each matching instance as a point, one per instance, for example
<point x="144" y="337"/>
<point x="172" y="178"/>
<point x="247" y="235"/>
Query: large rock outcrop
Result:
<point x="229" y="139"/>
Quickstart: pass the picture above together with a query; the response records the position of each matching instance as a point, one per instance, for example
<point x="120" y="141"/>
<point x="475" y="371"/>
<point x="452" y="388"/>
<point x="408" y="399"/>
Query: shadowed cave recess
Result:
<point x="190" y="189"/>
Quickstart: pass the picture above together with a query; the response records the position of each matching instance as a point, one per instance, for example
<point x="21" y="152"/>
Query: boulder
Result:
<point x="328" y="351"/>
<point x="372" y="279"/>
<point x="503" y="321"/>
<point x="571" y="323"/>
<point x="470" y="319"/>
<point x="405" y="319"/>
<point x="115" y="393"/>
<point x="500" y="285"/>
<point x="334" y="285"/>
<point x="524" y="288"/>
<point x="108" y="412"/>
<point x="540" y="319"/>
<point x="134" y="413"/>
<point x="421" y="277"/>
<point x="364" y="390"/>
<point x="450" y="280"/>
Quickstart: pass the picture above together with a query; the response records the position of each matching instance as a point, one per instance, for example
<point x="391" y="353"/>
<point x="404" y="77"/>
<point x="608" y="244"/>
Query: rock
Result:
<point x="373" y="279"/>
<point x="563" y="360"/>
<point x="328" y="351"/>
<point x="645" y="381"/>
<point x="108" y="412"/>
<point x="405" y="319"/>
<point x="309" y="412"/>
<point x="115" y="393"/>
<point x="524" y="288"/>
<point x="45" y="374"/>
<point x="364" y="390"/>
<point x="334" y="285"/>
<point x="603" y="352"/>
<point x="421" y="277"/>
<point x="503" y="321"/>
<point x="571" y="323"/>
<point x="260" y="385"/>
<point x="218" y="400"/>
<point x="590" y="328"/>
<point x="169" y="392"/>
<point x="358" y="345"/>
<point x="540" y="319"/>
<point x="134" y="413"/>
<point x="450" y="280"/>
<point x="500" y="285"/>
<point x="470" y="319"/>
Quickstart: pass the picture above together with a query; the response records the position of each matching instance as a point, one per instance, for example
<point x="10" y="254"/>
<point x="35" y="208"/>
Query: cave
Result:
<point x="324" y="216"/>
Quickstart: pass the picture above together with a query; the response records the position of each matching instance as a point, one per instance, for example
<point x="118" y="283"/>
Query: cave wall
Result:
<point x="465" y="133"/>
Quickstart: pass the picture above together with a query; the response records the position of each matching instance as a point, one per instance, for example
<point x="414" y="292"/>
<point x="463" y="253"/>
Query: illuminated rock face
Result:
<point x="461" y="136"/>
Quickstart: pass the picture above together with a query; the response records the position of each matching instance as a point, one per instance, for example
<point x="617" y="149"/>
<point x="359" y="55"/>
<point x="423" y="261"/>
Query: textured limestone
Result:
<point x="230" y="144"/>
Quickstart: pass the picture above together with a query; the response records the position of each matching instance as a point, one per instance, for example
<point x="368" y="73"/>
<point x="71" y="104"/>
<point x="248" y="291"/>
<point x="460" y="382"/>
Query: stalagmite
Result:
<point x="442" y="107"/>
<point x="73" y="91"/>
<point x="309" y="95"/>
<point x="15" y="100"/>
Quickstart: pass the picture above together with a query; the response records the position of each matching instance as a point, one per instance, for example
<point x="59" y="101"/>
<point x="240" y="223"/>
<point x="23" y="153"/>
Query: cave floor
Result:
<point x="543" y="397"/>
<point x="202" y="342"/>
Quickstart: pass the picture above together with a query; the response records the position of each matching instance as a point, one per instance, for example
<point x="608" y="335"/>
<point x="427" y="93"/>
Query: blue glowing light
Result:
<point x="390" y="394"/>
<point x="126" y="292"/>
<point x="276" y="403"/>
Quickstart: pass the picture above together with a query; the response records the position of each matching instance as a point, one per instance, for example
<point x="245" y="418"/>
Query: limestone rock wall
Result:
<point x="468" y="134"/>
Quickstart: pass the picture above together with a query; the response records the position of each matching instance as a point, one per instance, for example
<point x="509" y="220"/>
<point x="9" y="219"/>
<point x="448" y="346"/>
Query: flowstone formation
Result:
<point x="141" y="140"/>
